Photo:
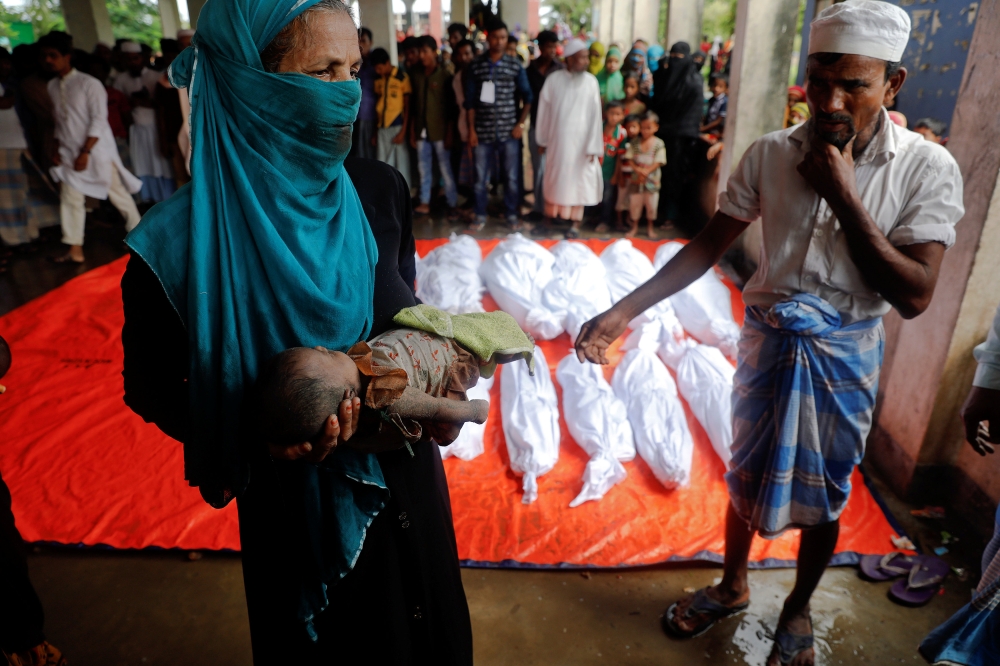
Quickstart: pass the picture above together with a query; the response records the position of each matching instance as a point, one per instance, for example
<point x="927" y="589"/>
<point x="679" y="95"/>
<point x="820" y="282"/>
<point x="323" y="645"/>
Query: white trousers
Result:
<point x="73" y="213"/>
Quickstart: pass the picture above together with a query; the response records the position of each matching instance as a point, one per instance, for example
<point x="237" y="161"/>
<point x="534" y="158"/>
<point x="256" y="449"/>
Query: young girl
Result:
<point x="633" y="107"/>
<point x="647" y="155"/>
<point x="623" y="175"/>
<point x="614" y="146"/>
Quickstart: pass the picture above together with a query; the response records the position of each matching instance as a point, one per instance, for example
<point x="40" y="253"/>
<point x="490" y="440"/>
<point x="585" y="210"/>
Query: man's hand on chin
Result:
<point x="830" y="171"/>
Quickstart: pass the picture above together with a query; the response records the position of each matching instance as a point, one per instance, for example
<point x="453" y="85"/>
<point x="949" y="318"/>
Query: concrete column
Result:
<point x="622" y="20"/>
<point x="170" y="18"/>
<point x="684" y="23"/>
<point x="194" y="9"/>
<point x="88" y="22"/>
<point x="377" y="16"/>
<point x="646" y="19"/>
<point x="460" y="11"/>
<point x="515" y="14"/>
<point x="434" y="21"/>
<point x="917" y="440"/>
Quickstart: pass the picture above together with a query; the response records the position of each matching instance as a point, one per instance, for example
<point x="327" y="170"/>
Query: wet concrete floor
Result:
<point x="158" y="607"/>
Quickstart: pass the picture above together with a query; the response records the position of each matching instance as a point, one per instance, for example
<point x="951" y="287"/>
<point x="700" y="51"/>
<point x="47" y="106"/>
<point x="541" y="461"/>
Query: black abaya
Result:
<point x="403" y="603"/>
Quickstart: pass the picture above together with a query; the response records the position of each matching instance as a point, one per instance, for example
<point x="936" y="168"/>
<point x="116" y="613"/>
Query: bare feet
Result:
<point x="75" y="256"/>
<point x="715" y="593"/>
<point x="652" y="233"/>
<point x="799" y="626"/>
<point x="423" y="209"/>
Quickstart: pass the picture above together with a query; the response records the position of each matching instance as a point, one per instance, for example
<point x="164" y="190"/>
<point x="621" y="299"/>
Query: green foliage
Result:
<point x="574" y="13"/>
<point x="137" y="20"/>
<point x="719" y="18"/>
<point x="43" y="15"/>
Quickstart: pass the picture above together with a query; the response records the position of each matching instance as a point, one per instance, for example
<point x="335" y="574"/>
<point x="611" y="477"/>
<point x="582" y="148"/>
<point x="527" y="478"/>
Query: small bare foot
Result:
<point x="793" y="643"/>
<point x="652" y="233"/>
<point x="422" y="209"/>
<point x="70" y="257"/>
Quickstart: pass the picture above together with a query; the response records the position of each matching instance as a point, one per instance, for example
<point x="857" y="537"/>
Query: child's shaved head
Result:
<point x="297" y="390"/>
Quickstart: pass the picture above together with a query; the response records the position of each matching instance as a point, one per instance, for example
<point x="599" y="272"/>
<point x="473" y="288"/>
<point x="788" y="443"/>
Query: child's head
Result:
<point x="614" y="112"/>
<point x="632" y="126"/>
<point x="631" y="86"/>
<point x="719" y="85"/>
<point x="298" y="390"/>
<point x="799" y="113"/>
<point x="380" y="61"/>
<point x="428" y="51"/>
<point x="612" y="63"/>
<point x="932" y="129"/>
<point x="649" y="124"/>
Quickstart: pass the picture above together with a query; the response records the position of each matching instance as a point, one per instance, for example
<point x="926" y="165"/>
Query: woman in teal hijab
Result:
<point x="610" y="80"/>
<point x="270" y="247"/>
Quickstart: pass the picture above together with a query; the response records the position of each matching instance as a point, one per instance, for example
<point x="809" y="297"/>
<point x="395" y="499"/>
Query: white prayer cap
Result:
<point x="186" y="32"/>
<point x="573" y="47"/>
<point x="861" y="27"/>
<point x="131" y="47"/>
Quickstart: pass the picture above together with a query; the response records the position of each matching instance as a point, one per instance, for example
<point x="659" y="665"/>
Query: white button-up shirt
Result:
<point x="912" y="189"/>
<point x="81" y="110"/>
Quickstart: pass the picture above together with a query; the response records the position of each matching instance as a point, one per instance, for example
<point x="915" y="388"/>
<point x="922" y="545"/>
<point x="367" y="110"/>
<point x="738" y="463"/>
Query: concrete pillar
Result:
<point x="194" y="9"/>
<point x="603" y="15"/>
<point x="684" y="23"/>
<point x="917" y="440"/>
<point x="434" y="21"/>
<point x="170" y="19"/>
<point x="88" y="22"/>
<point x="515" y="14"/>
<point x="377" y="16"/>
<point x="622" y="20"/>
<point x="646" y="19"/>
<point x="460" y="11"/>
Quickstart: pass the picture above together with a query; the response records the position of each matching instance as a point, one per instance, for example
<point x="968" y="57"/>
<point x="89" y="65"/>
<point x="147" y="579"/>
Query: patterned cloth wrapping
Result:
<point x="987" y="594"/>
<point x="18" y="224"/>
<point x="803" y="397"/>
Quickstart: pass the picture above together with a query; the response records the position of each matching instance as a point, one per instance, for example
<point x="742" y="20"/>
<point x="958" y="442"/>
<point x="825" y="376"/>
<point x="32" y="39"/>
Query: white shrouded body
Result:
<point x="448" y="277"/>
<point x="469" y="443"/>
<point x="516" y="273"/>
<point x="578" y="291"/>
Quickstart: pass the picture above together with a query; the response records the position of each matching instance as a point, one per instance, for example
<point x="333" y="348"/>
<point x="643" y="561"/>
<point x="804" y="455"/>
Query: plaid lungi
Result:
<point x="803" y="398"/>
<point x="17" y="224"/>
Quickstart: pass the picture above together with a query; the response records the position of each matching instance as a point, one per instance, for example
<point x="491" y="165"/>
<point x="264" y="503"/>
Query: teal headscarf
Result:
<point x="611" y="85"/>
<point x="267" y="248"/>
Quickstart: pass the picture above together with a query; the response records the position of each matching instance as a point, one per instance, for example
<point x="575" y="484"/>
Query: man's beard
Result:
<point x="839" y="139"/>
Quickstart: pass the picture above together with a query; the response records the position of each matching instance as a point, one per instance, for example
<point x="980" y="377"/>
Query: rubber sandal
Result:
<point x="886" y="567"/>
<point x="572" y="233"/>
<point x="789" y="645"/>
<point x="701" y="604"/>
<point x="922" y="584"/>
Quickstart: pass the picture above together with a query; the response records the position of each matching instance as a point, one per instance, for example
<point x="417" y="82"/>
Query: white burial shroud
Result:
<point x="598" y="421"/>
<point x="705" y="307"/>
<point x="705" y="379"/>
<point x="448" y="277"/>
<point x="578" y="291"/>
<point x="470" y="441"/>
<point x="516" y="273"/>
<point x="530" y="412"/>
<point x="627" y="268"/>
<point x="658" y="422"/>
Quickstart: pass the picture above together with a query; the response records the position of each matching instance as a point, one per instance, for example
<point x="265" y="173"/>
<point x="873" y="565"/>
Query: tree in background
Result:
<point x="43" y="15"/>
<point x="719" y="18"/>
<point x="137" y="20"/>
<point x="574" y="13"/>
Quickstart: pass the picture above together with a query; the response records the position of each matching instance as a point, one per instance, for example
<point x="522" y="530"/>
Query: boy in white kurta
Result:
<point x="86" y="160"/>
<point x="570" y="133"/>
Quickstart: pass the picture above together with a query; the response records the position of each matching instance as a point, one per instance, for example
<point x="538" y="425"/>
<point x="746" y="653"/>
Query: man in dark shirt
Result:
<point x="540" y="67"/>
<point x="365" y="125"/>
<point x="495" y="82"/>
<point x="432" y="111"/>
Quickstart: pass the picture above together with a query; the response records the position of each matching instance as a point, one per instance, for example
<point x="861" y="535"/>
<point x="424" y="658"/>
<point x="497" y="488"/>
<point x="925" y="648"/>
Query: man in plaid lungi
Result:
<point x="856" y="214"/>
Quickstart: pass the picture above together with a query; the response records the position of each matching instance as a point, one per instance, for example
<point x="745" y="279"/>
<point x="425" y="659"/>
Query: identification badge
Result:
<point x="488" y="95"/>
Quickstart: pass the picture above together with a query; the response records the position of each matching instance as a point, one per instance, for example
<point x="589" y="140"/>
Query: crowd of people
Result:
<point x="77" y="128"/>
<point x="457" y="117"/>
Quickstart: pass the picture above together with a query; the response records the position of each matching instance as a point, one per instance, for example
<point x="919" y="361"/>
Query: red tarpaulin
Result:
<point x="83" y="469"/>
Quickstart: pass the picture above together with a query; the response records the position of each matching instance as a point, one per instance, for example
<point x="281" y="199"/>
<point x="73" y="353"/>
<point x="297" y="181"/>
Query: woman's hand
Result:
<point x="598" y="334"/>
<point x="336" y="431"/>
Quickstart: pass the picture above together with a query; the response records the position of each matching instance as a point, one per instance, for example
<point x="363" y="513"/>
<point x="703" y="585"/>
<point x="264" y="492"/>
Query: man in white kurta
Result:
<point x="570" y="133"/>
<point x="139" y="82"/>
<point x="86" y="161"/>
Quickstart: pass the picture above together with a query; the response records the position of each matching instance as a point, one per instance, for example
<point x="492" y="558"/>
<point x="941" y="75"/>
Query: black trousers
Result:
<point x="403" y="603"/>
<point x="21" y="615"/>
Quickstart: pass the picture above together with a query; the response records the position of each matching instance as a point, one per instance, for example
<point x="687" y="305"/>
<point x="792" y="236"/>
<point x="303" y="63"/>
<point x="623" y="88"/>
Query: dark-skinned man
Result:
<point x="856" y="215"/>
